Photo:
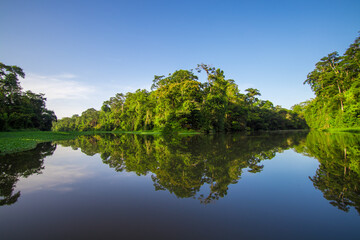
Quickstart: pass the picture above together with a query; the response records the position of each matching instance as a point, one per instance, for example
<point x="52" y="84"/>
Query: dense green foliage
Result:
<point x="18" y="109"/>
<point x="182" y="165"/>
<point x="180" y="101"/>
<point x="336" y="84"/>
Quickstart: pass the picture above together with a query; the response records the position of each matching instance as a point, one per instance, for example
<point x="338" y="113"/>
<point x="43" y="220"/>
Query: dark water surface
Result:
<point x="279" y="185"/>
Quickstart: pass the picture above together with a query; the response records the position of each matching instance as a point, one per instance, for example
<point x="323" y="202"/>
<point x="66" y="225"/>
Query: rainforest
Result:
<point x="180" y="102"/>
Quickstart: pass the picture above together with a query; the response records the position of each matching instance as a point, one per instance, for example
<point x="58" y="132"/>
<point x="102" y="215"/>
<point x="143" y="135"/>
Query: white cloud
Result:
<point x="67" y="95"/>
<point x="62" y="86"/>
<point x="63" y="169"/>
<point x="55" y="178"/>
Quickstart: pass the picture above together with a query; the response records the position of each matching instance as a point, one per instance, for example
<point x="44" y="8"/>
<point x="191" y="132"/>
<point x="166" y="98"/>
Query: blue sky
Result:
<point x="81" y="53"/>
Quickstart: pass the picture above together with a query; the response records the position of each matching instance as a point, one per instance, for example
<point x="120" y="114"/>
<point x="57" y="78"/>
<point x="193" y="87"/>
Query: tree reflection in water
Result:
<point x="24" y="164"/>
<point x="338" y="175"/>
<point x="182" y="165"/>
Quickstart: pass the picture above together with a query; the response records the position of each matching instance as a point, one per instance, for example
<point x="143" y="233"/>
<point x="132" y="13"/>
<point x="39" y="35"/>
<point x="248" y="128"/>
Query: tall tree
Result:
<point x="18" y="109"/>
<point x="336" y="84"/>
<point x="181" y="101"/>
<point x="9" y="82"/>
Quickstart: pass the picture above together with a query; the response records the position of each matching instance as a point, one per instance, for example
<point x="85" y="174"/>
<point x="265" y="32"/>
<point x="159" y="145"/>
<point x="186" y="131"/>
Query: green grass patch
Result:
<point x="11" y="142"/>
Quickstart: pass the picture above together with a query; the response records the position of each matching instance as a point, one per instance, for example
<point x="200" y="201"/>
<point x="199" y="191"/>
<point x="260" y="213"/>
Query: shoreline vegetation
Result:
<point x="335" y="82"/>
<point x="18" y="141"/>
<point x="181" y="101"/>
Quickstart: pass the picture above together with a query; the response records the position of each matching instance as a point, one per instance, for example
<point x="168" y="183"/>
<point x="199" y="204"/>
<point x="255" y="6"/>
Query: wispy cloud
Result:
<point x="62" y="86"/>
<point x="55" y="178"/>
<point x="61" y="172"/>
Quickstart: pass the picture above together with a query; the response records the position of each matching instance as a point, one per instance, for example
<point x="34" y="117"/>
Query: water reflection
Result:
<point x="203" y="167"/>
<point x="182" y="165"/>
<point x="338" y="175"/>
<point x="23" y="164"/>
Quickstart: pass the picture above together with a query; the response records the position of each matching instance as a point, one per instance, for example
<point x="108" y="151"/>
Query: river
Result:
<point x="272" y="185"/>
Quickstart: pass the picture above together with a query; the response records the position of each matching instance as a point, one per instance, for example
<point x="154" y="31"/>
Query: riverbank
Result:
<point x="336" y="130"/>
<point x="12" y="142"/>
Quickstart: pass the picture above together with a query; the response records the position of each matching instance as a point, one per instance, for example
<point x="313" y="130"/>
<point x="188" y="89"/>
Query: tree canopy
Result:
<point x="181" y="101"/>
<point x="19" y="109"/>
<point x="336" y="84"/>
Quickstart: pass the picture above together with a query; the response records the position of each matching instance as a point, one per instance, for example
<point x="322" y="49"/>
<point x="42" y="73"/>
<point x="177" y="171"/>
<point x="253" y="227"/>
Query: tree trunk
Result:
<point x="341" y="101"/>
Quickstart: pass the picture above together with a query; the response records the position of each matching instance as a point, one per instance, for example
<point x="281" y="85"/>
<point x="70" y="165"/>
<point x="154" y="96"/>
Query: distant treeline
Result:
<point x="336" y="84"/>
<point x="18" y="109"/>
<point x="180" y="101"/>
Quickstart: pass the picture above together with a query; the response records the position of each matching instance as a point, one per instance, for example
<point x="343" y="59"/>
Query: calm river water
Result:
<point x="276" y="185"/>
